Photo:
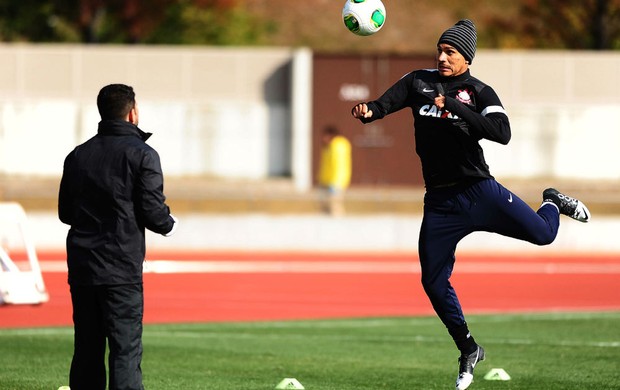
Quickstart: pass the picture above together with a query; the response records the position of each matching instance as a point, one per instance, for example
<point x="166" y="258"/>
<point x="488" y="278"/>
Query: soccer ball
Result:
<point x="363" y="17"/>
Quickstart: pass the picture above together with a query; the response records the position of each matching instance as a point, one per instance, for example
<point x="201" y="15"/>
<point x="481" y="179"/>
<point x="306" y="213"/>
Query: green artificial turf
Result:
<point x="539" y="351"/>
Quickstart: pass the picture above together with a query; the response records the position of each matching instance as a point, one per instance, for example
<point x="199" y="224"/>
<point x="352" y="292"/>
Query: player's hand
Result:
<point x="361" y="111"/>
<point x="174" y="226"/>
<point x="440" y="101"/>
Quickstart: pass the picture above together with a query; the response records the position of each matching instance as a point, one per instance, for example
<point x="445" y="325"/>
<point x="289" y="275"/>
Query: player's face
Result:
<point x="450" y="62"/>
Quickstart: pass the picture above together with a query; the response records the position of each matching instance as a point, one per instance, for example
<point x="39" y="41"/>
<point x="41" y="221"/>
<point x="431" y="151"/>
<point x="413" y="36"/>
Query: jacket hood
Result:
<point x="121" y="127"/>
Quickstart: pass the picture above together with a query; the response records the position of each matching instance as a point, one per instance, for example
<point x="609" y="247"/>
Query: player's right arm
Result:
<point x="66" y="198"/>
<point x="393" y="99"/>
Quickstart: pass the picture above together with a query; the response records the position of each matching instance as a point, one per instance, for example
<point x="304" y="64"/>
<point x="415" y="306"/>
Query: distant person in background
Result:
<point x="334" y="170"/>
<point x="453" y="111"/>
<point x="110" y="192"/>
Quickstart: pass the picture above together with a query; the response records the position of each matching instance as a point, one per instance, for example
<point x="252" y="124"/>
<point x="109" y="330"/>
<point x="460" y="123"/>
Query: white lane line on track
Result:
<point x="354" y="267"/>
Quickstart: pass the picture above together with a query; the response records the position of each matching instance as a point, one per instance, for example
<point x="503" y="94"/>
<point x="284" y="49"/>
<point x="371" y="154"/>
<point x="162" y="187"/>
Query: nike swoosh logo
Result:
<point x="428" y="90"/>
<point x="510" y="198"/>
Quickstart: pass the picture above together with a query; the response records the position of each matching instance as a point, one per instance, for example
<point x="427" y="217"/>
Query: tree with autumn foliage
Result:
<point x="559" y="24"/>
<point x="520" y="24"/>
<point x="215" y="22"/>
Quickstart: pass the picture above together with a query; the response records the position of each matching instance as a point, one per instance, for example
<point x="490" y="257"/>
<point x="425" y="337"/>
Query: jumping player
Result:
<point x="453" y="111"/>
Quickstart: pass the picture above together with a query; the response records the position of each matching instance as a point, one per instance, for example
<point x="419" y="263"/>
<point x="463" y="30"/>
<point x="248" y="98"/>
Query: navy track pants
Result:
<point x="449" y="216"/>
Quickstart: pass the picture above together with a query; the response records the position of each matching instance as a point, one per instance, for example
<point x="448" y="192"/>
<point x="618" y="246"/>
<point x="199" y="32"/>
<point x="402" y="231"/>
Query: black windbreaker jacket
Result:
<point x="111" y="190"/>
<point x="447" y="140"/>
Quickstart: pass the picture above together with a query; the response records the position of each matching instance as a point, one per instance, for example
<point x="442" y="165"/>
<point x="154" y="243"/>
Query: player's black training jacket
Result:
<point x="111" y="190"/>
<point x="447" y="140"/>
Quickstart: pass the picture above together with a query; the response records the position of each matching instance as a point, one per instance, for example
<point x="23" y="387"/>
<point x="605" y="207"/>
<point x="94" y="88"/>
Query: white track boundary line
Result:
<point x="354" y="267"/>
<point x="206" y="334"/>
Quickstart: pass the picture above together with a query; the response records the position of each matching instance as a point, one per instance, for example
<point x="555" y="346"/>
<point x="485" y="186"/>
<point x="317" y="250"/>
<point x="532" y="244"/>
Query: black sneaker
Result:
<point x="466" y="368"/>
<point x="568" y="206"/>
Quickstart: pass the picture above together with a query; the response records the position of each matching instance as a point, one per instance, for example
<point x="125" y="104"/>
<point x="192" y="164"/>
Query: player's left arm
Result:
<point x="150" y="200"/>
<point x="488" y="120"/>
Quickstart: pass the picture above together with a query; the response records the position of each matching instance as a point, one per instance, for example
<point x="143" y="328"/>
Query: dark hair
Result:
<point x="331" y="130"/>
<point x="115" y="101"/>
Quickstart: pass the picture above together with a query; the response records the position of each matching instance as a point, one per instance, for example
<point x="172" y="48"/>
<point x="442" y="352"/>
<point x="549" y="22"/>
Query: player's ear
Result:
<point x="133" y="115"/>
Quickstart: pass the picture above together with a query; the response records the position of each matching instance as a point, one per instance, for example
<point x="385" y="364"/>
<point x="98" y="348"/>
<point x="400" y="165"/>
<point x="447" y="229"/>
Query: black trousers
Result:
<point x="111" y="314"/>
<point x="485" y="206"/>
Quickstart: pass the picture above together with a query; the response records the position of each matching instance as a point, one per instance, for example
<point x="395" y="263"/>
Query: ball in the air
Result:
<point x="363" y="17"/>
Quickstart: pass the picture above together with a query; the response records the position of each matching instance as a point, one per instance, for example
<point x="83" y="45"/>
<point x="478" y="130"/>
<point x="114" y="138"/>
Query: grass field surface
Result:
<point x="539" y="351"/>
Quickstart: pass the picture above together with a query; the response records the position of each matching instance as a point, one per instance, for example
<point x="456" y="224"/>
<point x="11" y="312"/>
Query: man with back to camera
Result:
<point x="453" y="111"/>
<point x="110" y="192"/>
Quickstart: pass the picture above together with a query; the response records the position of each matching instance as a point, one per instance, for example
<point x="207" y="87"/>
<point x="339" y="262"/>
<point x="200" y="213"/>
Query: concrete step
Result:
<point x="278" y="196"/>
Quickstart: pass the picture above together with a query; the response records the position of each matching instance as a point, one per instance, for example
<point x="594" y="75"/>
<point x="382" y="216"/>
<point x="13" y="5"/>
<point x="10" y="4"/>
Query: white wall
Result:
<point x="245" y="113"/>
<point x="221" y="112"/>
<point x="563" y="108"/>
<point x="352" y="234"/>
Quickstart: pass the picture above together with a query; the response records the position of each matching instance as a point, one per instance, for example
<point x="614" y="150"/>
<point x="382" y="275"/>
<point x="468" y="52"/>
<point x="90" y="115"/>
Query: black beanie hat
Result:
<point x="463" y="37"/>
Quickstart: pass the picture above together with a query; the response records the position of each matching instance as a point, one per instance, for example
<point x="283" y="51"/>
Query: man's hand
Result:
<point x="174" y="226"/>
<point x="361" y="111"/>
<point x="440" y="101"/>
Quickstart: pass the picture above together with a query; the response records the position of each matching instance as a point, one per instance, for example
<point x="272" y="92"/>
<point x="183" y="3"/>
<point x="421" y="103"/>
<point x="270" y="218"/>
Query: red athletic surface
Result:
<point x="201" y="297"/>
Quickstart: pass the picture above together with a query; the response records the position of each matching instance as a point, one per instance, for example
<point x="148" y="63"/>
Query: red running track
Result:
<point x="279" y="286"/>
